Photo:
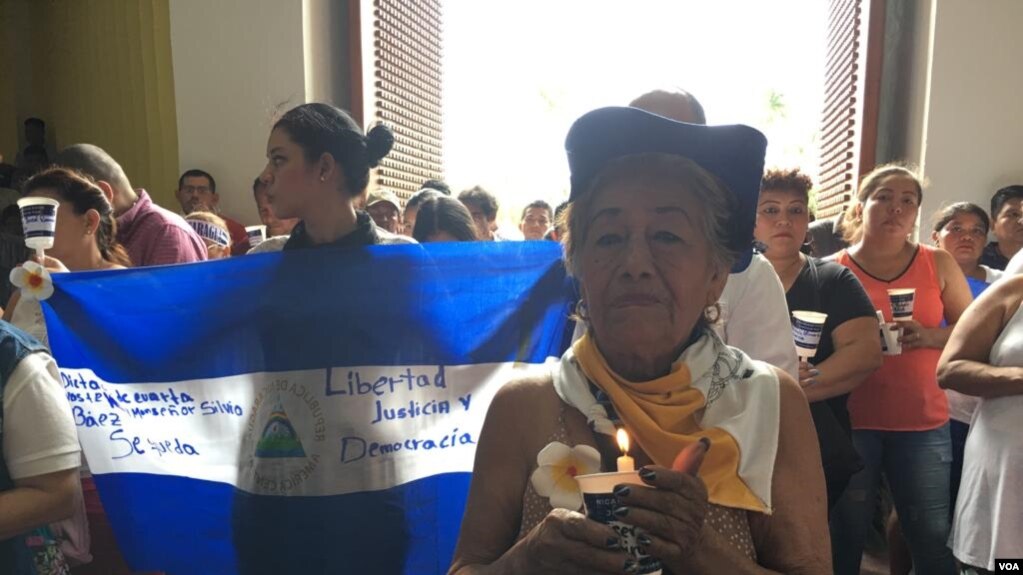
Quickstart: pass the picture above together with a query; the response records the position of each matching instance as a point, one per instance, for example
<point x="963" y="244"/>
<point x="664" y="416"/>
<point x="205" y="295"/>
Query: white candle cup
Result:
<point x="256" y="234"/>
<point x="600" y="502"/>
<point x="39" y="221"/>
<point x="902" y="303"/>
<point x="890" y="342"/>
<point x="807" y="327"/>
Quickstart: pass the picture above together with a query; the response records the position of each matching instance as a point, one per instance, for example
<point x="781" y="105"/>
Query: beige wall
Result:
<point x="237" y="63"/>
<point x="966" y="100"/>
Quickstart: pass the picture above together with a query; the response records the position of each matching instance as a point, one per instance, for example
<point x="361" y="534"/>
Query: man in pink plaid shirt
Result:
<point x="152" y="235"/>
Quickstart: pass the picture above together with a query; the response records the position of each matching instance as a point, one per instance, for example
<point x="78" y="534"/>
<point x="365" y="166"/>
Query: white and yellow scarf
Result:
<point x="713" y="391"/>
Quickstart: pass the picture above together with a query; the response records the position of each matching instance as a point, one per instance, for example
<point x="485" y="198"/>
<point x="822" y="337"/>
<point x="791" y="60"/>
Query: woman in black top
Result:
<point x="318" y="163"/>
<point x="850" y="348"/>
<point x="317" y="170"/>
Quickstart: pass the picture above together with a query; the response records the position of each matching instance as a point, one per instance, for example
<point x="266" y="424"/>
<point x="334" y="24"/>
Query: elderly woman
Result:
<point x="650" y="242"/>
<point x="984" y="358"/>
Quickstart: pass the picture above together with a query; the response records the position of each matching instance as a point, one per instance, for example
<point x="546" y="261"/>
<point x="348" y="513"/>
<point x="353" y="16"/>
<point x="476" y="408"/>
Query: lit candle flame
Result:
<point x="623" y="441"/>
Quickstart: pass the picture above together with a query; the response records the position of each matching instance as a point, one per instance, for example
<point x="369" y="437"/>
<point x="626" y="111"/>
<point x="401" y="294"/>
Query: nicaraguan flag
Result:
<point x="303" y="412"/>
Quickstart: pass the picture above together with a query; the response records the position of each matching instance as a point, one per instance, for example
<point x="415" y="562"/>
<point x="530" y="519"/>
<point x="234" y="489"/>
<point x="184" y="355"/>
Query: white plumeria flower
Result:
<point x="558" y="466"/>
<point x="34" y="280"/>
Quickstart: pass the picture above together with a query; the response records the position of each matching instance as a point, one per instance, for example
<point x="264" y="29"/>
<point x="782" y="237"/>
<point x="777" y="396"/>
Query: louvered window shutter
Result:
<point x="407" y="90"/>
<point x="852" y="81"/>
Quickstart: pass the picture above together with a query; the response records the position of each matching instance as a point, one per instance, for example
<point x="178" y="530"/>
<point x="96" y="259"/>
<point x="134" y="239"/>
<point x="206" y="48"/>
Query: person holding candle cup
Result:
<point x="899" y="415"/>
<point x="85" y="239"/>
<point x="652" y="231"/>
<point x="849" y="349"/>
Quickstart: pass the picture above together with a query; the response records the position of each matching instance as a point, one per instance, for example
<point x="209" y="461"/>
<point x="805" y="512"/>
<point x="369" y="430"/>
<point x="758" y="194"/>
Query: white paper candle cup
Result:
<point x="606" y="482"/>
<point x="902" y="303"/>
<point x="807" y="327"/>
<point x="39" y="220"/>
<point x="891" y="344"/>
<point x="600" y="502"/>
<point x="257" y="235"/>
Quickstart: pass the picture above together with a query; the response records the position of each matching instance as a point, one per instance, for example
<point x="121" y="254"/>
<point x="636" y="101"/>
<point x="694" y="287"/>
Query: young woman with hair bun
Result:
<point x="318" y="164"/>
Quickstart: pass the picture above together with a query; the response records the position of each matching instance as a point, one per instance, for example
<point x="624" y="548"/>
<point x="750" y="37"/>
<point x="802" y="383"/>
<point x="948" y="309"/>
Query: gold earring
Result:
<point x="581" y="311"/>
<point x="712" y="313"/>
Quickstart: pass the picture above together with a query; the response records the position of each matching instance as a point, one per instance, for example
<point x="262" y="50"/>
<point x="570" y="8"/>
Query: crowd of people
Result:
<point x="690" y="260"/>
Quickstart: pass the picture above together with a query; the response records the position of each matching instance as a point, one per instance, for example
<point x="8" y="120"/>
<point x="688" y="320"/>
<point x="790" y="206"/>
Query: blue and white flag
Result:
<point x="304" y="412"/>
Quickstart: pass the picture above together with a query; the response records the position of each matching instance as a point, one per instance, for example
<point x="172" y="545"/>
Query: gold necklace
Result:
<point x="783" y="272"/>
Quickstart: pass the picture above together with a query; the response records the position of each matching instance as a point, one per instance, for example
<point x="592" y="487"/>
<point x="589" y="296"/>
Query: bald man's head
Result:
<point x="94" y="162"/>
<point x="675" y="104"/>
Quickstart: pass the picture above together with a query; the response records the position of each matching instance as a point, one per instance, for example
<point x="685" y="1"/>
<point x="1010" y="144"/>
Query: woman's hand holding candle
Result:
<point x="52" y="264"/>
<point x="669" y="514"/>
<point x="808" y="374"/>
<point x="916" y="336"/>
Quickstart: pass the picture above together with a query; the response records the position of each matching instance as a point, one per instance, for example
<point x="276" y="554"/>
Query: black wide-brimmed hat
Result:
<point x="734" y="154"/>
